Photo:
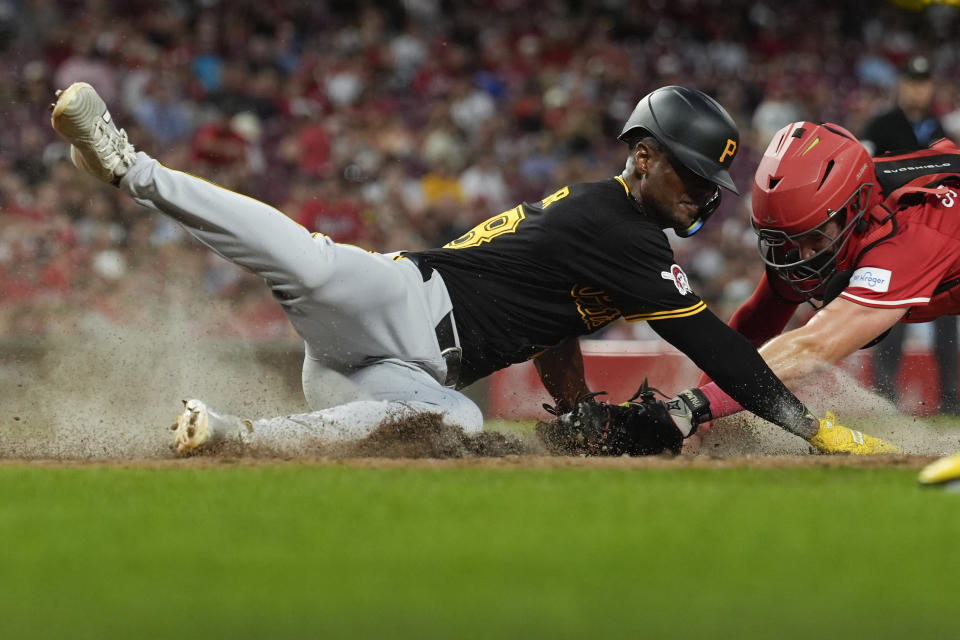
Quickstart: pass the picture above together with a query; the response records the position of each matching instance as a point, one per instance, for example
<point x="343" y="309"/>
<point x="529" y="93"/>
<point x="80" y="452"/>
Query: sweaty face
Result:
<point x="673" y="193"/>
<point x="814" y="242"/>
<point x="804" y="261"/>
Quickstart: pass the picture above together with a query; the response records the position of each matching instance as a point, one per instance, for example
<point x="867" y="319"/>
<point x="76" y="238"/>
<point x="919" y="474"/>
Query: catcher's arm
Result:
<point x="836" y="331"/>
<point x="734" y="364"/>
<point x="833" y="333"/>
<point x="561" y="371"/>
<point x="766" y="313"/>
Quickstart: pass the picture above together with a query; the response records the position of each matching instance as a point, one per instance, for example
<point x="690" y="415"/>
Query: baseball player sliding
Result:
<point x="394" y="335"/>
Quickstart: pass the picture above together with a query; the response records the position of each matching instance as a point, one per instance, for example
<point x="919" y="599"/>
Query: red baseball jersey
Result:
<point x="906" y="269"/>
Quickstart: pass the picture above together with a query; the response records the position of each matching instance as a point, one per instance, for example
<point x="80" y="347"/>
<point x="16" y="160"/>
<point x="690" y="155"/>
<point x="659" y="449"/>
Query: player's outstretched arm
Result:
<point x="737" y="368"/>
<point x="833" y="333"/>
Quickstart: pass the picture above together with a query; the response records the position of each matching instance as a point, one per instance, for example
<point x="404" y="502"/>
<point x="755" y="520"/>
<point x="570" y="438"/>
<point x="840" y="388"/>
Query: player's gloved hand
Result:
<point x="645" y="427"/>
<point x="834" y="438"/>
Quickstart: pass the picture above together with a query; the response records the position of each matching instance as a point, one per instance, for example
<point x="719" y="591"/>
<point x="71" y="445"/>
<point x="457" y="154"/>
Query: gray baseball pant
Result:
<point x="367" y="319"/>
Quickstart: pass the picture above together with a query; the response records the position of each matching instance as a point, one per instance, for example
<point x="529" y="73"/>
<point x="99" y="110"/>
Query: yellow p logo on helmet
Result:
<point x="729" y="150"/>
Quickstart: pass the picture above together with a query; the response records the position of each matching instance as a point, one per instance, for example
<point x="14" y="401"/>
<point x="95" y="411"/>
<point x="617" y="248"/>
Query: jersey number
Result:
<point x="496" y="226"/>
<point x="506" y="222"/>
<point x="949" y="198"/>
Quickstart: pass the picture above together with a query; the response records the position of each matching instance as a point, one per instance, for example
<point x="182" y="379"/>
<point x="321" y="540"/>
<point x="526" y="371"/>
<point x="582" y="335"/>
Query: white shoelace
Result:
<point x="110" y="146"/>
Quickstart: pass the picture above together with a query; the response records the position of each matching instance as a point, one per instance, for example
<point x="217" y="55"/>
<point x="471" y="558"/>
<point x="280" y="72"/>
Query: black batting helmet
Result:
<point x="693" y="127"/>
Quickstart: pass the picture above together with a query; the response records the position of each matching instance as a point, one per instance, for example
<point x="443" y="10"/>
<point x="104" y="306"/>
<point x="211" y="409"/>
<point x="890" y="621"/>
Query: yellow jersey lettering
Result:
<point x="486" y="231"/>
<point x="553" y="197"/>
<point x="594" y="306"/>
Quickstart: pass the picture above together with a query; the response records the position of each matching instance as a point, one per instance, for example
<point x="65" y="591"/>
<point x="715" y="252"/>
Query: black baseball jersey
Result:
<point x="533" y="276"/>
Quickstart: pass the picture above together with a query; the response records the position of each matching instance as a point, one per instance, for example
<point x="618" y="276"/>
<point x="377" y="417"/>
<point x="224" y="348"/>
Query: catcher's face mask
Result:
<point x="806" y="260"/>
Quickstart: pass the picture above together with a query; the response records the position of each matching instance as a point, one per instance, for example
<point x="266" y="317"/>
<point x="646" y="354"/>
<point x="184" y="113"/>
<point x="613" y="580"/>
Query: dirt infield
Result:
<point x="504" y="463"/>
<point x="740" y="441"/>
<point x="426" y="443"/>
<point x="108" y="400"/>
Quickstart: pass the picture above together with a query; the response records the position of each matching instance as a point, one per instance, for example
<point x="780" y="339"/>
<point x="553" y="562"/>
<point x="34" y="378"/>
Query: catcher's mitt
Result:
<point x="595" y="428"/>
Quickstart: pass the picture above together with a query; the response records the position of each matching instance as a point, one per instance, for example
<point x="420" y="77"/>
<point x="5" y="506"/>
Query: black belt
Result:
<point x="446" y="336"/>
<point x="451" y="353"/>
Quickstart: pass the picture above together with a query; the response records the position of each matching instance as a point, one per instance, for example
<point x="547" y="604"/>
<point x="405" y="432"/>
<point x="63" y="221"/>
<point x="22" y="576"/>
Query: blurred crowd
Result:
<point x="396" y="125"/>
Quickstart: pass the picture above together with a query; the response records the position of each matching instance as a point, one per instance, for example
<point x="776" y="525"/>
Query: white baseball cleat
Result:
<point x="98" y="147"/>
<point x="198" y="427"/>
<point x="193" y="428"/>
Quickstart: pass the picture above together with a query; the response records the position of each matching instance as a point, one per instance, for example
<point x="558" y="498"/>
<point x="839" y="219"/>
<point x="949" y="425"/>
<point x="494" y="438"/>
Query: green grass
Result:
<point x="336" y="551"/>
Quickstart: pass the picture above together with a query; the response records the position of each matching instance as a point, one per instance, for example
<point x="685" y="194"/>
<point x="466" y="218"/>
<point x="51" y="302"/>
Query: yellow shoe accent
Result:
<point x="834" y="438"/>
<point x="942" y="470"/>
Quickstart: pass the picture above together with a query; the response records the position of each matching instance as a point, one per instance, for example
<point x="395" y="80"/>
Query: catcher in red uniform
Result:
<point x="870" y="242"/>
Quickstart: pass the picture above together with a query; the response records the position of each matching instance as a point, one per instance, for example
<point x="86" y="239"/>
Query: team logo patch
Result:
<point x="679" y="279"/>
<point x="871" y="278"/>
<point x="728" y="150"/>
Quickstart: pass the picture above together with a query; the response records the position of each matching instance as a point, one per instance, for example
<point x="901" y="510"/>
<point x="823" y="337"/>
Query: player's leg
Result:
<point x="200" y="427"/>
<point x="354" y="309"/>
<point x="250" y="233"/>
<point x="349" y="305"/>
<point x="367" y="319"/>
<point x="396" y="390"/>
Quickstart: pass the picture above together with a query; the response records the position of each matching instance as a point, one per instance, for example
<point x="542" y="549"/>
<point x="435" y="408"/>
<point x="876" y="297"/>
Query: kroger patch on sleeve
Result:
<point x="871" y="278"/>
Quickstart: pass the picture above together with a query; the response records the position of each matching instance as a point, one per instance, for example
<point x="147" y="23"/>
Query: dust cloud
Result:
<point x="112" y="392"/>
<point x="854" y="406"/>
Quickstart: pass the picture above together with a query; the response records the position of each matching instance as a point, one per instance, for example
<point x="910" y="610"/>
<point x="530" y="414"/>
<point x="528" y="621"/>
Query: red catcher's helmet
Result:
<point x="810" y="175"/>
